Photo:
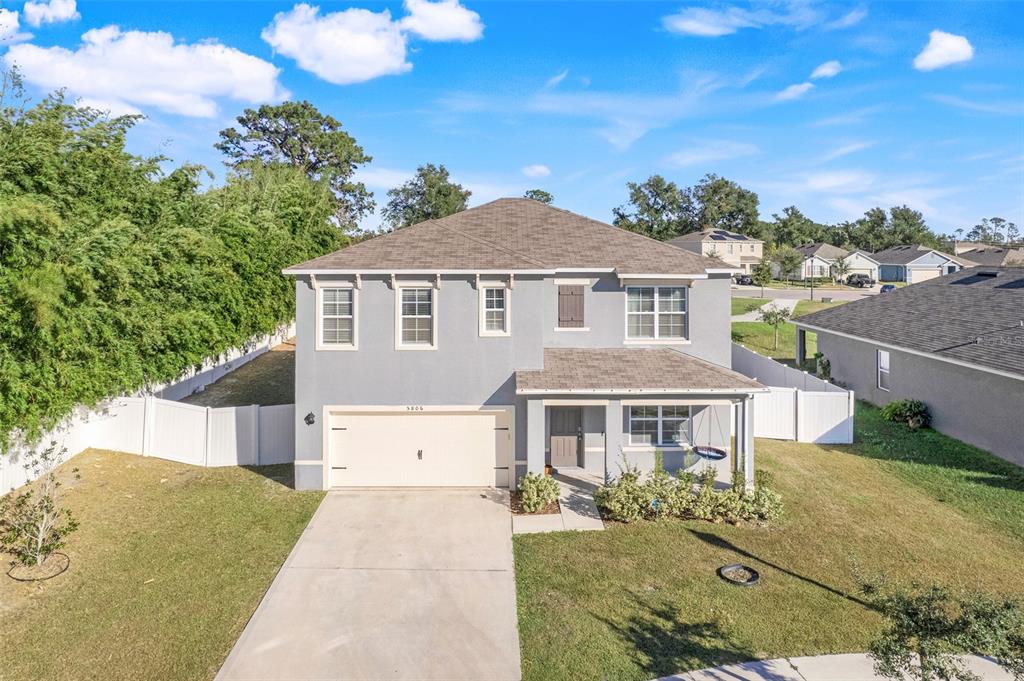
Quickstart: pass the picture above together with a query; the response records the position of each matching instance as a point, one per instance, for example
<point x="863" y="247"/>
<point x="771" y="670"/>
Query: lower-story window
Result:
<point x="659" y="425"/>
<point x="883" y="369"/>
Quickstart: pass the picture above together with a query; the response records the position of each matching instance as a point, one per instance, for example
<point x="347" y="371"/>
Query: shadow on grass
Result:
<point x="720" y="543"/>
<point x="664" y="645"/>
<point x="281" y="473"/>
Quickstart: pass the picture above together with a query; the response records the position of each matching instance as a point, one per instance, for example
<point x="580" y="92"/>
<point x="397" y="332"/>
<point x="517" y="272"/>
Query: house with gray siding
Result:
<point x="914" y="264"/>
<point x="468" y="350"/>
<point x="955" y="342"/>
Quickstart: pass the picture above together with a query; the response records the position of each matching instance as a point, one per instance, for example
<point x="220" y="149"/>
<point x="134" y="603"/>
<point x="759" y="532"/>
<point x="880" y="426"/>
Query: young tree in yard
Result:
<point x="33" y="525"/>
<point x="928" y="630"/>
<point x="539" y="195"/>
<point x="774" y="316"/>
<point x="427" y="196"/>
<point x="761" y="273"/>
<point x="298" y="135"/>
<point x="788" y="259"/>
<point x="657" y="208"/>
<point x="840" y="268"/>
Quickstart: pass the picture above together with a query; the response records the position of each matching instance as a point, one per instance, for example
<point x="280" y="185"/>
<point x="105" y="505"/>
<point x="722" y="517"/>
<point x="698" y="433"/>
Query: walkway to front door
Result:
<point x="391" y="584"/>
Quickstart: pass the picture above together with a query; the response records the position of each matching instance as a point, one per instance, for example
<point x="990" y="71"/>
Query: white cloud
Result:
<point x="9" y="24"/>
<point x="554" y="80"/>
<point x="851" y="18"/>
<point x="712" y="23"/>
<point x="50" y="12"/>
<point x="351" y="46"/>
<point x="382" y="178"/>
<point x="840" y="182"/>
<point x="443" y="21"/>
<point x="827" y="70"/>
<point x="942" y="50"/>
<point x="1004" y="108"/>
<point x="849" y="118"/>
<point x="356" y="45"/>
<point x="536" y="170"/>
<point x="847" y="149"/>
<point x="122" y="71"/>
<point x="711" y="151"/>
<point x="794" y="92"/>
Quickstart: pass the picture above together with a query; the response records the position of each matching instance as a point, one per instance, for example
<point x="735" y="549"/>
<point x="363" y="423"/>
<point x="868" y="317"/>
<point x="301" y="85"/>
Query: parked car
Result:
<point x="887" y="288"/>
<point x="860" y="281"/>
<point x="743" y="279"/>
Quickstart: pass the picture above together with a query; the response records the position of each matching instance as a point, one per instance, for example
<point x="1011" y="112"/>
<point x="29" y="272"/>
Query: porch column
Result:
<point x="747" y="434"/>
<point x="612" y="438"/>
<point x="535" y="435"/>
<point x="801" y="347"/>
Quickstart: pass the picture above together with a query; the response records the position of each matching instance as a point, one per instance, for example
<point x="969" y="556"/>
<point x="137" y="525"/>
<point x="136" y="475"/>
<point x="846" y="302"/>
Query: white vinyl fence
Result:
<point x="798" y="406"/>
<point x="148" y="426"/>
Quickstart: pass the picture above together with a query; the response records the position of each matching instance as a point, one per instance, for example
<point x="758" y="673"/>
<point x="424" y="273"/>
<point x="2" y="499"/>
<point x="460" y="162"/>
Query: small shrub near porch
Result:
<point x="632" y="498"/>
<point x="537" y="492"/>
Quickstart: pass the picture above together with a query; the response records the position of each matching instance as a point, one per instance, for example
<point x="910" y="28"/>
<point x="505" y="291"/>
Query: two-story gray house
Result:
<point x="467" y="350"/>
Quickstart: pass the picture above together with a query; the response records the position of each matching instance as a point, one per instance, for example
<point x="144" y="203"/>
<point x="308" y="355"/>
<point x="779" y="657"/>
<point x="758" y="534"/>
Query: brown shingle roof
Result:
<point x="823" y="251"/>
<point x="618" y="370"/>
<point x="972" y="316"/>
<point x="513" y="234"/>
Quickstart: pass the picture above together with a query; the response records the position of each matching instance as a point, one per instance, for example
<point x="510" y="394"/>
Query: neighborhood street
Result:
<point x="803" y="293"/>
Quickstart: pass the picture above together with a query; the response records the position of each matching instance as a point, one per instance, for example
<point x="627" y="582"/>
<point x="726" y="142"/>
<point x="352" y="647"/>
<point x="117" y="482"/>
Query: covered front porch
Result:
<point x="592" y="412"/>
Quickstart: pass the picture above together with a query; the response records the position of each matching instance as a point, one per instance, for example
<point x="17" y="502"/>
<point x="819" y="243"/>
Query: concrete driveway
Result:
<point x="390" y="584"/>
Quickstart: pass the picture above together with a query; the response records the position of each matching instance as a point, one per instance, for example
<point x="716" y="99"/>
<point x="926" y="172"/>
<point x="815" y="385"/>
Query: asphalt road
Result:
<point x="803" y="293"/>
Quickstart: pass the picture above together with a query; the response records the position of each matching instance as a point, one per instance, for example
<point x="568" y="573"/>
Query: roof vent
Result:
<point x="987" y="275"/>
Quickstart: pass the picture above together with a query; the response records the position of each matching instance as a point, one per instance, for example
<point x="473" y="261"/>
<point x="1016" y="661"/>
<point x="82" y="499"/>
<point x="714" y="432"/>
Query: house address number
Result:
<point x="414" y="408"/>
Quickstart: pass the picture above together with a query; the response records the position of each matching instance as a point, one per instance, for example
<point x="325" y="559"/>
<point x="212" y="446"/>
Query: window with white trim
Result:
<point x="495" y="311"/>
<point x="337" y="316"/>
<point x="417" y="316"/>
<point x="655" y="312"/>
<point x="883" y="370"/>
<point x="667" y="426"/>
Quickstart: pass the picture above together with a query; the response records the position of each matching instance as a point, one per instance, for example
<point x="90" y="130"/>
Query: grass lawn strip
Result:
<point x="745" y="305"/>
<point x="169" y="564"/>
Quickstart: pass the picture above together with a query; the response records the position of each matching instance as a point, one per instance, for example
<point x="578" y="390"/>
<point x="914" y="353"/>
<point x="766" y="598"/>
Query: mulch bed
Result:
<point x="517" y="507"/>
<point x="56" y="564"/>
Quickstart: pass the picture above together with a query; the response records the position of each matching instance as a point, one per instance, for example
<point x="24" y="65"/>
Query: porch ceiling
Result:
<point x="630" y="371"/>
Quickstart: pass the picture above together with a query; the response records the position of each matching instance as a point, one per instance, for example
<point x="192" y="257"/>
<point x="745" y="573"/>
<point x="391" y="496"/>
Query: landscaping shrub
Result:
<point x="913" y="413"/>
<point x="631" y="498"/>
<point x="537" y="491"/>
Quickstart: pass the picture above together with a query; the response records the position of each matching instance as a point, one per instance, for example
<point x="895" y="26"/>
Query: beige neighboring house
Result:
<point x="860" y="262"/>
<point x="739" y="250"/>
<point x="817" y="264"/>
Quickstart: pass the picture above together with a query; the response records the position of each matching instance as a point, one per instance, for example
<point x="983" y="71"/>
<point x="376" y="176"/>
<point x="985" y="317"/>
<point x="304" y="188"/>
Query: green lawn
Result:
<point x="642" y="601"/>
<point x="266" y="380"/>
<point x="168" y="566"/>
<point x="745" y="305"/>
<point x="808" y="306"/>
<point x="760" y="337"/>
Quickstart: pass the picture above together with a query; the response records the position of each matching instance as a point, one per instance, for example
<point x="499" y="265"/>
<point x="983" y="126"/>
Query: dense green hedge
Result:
<point x="118" y="271"/>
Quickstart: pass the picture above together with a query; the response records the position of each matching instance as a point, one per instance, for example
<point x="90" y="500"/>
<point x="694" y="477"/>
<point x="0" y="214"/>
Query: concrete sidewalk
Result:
<point x="575" y="501"/>
<point x="752" y="316"/>
<point x="849" y="667"/>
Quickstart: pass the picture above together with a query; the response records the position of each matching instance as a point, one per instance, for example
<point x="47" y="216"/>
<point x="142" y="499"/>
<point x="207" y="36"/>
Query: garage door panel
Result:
<point x="421" y="449"/>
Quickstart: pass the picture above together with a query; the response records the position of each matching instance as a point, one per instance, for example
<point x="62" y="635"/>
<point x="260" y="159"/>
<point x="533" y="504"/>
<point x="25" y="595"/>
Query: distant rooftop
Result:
<point x="714" y="235"/>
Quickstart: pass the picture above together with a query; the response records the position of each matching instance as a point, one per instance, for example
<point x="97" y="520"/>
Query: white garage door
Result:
<point x="430" y="448"/>
<point x="919" y="275"/>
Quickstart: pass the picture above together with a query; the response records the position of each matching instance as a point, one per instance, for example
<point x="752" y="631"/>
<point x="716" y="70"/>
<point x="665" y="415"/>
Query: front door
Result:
<point x="566" y="433"/>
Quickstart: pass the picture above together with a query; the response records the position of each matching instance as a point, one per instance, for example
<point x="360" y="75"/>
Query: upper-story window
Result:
<point x="730" y="249"/>
<point x="655" y="312"/>
<point x="336" y="320"/>
<point x="495" y="317"/>
<point x="417" y="319"/>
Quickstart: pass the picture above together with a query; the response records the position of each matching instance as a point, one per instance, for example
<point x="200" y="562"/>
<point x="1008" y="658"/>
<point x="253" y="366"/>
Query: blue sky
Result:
<point x="832" y="107"/>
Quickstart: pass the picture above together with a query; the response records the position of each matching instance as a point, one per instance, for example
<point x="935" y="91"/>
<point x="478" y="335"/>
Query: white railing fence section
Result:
<point x="798" y="406"/>
<point x="149" y="426"/>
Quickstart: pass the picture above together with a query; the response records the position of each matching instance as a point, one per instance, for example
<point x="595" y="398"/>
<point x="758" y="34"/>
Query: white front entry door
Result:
<point x="431" y="448"/>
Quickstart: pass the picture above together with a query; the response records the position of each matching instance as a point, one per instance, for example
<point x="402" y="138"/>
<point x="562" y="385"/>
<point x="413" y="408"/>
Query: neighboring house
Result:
<point x="817" y="263"/>
<point x="996" y="256"/>
<point x="467" y="350"/>
<point x="914" y="264"/>
<point x="955" y="342"/>
<point x="740" y="251"/>
<point x="860" y="262"/>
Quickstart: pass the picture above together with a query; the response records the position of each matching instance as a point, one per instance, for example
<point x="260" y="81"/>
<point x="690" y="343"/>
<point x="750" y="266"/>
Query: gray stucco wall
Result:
<point x="467" y="369"/>
<point x="981" y="408"/>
